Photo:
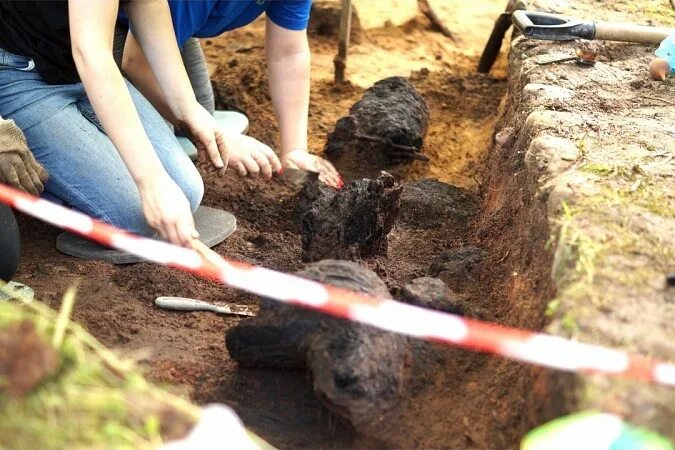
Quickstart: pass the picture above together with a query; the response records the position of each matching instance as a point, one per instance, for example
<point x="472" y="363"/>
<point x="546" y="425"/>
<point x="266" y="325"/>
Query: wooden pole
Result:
<point x="436" y="23"/>
<point x="340" y="60"/>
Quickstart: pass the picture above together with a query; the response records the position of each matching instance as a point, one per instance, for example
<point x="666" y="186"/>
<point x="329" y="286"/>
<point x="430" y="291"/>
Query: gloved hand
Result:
<point x="18" y="167"/>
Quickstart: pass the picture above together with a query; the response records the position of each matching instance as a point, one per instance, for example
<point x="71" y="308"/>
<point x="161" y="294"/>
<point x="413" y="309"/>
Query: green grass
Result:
<point x="92" y="401"/>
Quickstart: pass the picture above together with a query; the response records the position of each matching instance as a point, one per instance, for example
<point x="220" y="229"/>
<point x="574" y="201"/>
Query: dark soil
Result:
<point x="453" y="398"/>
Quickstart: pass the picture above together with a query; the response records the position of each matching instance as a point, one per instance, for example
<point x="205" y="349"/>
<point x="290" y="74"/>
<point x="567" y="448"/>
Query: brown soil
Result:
<point x="25" y="360"/>
<point x="456" y="399"/>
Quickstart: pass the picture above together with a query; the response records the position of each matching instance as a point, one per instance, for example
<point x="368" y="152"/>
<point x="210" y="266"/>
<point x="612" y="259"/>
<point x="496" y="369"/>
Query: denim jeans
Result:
<point x="85" y="170"/>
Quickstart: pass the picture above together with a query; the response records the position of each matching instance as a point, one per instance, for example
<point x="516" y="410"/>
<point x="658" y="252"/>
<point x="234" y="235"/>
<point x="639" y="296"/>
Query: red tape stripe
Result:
<point x="539" y="349"/>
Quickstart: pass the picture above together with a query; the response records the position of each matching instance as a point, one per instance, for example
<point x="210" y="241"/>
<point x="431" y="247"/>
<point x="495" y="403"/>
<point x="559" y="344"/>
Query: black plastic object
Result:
<point x="552" y="27"/>
<point x="10" y="244"/>
<point x="670" y="280"/>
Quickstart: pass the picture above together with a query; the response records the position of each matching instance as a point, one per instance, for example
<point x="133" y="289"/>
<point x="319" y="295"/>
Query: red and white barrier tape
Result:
<point x="540" y="349"/>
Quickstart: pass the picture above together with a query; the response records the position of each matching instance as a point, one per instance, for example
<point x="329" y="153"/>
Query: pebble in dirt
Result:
<point x="213" y="226"/>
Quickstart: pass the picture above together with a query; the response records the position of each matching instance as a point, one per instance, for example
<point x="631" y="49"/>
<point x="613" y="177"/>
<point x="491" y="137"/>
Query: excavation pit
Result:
<point x="473" y="236"/>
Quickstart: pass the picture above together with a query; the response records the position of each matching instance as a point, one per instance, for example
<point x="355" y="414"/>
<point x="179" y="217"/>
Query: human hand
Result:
<point x="301" y="159"/>
<point x="18" y="167"/>
<point x="203" y="131"/>
<point x="250" y="157"/>
<point x="167" y="210"/>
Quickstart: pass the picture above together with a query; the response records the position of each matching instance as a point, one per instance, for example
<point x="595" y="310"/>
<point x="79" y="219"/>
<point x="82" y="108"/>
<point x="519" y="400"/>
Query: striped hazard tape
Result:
<point x="540" y="349"/>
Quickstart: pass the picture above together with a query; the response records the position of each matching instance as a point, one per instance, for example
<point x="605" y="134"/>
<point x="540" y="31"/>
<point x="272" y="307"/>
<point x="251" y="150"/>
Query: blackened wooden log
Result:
<point x="350" y="223"/>
<point x="357" y="371"/>
<point x="385" y="128"/>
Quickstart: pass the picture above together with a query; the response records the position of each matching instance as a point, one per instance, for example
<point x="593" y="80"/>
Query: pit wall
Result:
<point x="580" y="178"/>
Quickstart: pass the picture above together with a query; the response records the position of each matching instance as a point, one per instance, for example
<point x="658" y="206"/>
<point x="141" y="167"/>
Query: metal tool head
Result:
<point x="552" y="27"/>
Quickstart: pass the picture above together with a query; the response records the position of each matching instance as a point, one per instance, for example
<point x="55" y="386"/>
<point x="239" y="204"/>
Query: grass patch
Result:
<point x="92" y="400"/>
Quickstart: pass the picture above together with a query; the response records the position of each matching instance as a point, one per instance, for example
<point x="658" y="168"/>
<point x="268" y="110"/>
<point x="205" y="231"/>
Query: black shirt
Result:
<point x="39" y="29"/>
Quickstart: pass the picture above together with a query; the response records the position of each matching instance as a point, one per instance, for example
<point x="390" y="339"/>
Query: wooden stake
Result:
<point x="340" y="60"/>
<point x="436" y="23"/>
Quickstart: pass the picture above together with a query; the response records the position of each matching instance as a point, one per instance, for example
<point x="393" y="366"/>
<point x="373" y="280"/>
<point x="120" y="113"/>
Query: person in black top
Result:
<point x="107" y="150"/>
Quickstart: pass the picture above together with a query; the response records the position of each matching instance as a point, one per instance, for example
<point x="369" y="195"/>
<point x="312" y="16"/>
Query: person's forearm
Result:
<point x="289" y="77"/>
<point x="151" y="21"/>
<point x="115" y="110"/>
<point x="140" y="73"/>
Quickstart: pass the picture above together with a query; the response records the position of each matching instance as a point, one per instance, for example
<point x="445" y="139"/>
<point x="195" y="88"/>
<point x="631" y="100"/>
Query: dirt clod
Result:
<point x="25" y="360"/>
<point x="432" y="293"/>
<point x="349" y="223"/>
<point x="386" y="127"/>
<point x="357" y="371"/>
<point x="431" y="203"/>
<point x="455" y="266"/>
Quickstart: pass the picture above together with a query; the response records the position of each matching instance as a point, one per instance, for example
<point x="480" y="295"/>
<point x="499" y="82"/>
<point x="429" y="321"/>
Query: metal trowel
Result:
<point x="191" y="305"/>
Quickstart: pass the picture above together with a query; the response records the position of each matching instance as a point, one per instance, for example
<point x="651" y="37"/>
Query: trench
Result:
<point x="453" y="398"/>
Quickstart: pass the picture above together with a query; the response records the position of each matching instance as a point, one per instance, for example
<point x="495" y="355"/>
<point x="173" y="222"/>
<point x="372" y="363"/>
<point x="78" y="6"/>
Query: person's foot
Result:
<point x="15" y="291"/>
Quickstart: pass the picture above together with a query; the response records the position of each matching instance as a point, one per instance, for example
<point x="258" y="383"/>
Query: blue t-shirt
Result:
<point x="210" y="18"/>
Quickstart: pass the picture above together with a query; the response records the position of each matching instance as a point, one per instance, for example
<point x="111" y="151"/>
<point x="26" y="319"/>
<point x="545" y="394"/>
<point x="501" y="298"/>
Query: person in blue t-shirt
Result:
<point x="288" y="60"/>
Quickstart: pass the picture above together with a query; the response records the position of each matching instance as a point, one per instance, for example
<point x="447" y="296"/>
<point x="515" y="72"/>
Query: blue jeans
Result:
<point x="85" y="170"/>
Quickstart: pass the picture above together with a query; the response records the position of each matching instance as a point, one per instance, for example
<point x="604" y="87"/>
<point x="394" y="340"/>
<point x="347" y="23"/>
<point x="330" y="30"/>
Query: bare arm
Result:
<point x="138" y="70"/>
<point x="91" y="25"/>
<point x="288" y="61"/>
<point x="154" y="70"/>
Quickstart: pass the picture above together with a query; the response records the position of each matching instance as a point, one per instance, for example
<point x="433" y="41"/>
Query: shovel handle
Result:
<point x="553" y="27"/>
<point x="625" y="32"/>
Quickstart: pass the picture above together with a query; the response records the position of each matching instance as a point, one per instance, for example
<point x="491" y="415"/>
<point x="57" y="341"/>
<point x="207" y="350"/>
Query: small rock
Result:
<point x="539" y="121"/>
<point x="454" y="266"/>
<point x="546" y="93"/>
<point x="504" y="136"/>
<point x="551" y="153"/>
<point x="432" y="293"/>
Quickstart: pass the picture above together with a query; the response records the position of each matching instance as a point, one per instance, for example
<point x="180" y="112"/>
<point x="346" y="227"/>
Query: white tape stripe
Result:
<point x="560" y="353"/>
<point x="665" y="374"/>
<point x="546" y="350"/>
<point x="279" y="286"/>
<point x="410" y="320"/>
<point x="56" y="215"/>
<point x="157" y="251"/>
